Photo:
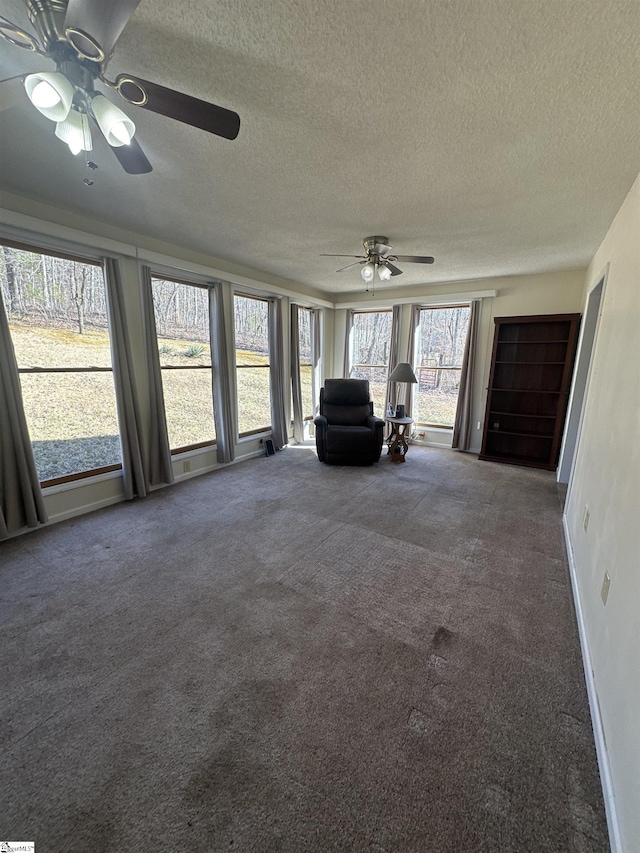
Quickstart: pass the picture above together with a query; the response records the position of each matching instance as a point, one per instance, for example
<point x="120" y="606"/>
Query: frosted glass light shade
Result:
<point x="50" y="93"/>
<point x="74" y="130"/>
<point x="117" y="127"/>
<point x="384" y="273"/>
<point x="367" y="272"/>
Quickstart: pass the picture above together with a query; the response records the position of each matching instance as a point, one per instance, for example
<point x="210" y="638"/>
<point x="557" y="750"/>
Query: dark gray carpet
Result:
<point x="287" y="656"/>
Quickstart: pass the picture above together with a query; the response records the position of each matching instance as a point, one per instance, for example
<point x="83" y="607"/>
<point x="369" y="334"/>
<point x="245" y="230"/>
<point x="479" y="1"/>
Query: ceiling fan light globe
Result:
<point x="384" y="274"/>
<point x="116" y="126"/>
<point x="44" y="95"/>
<point x="75" y="131"/>
<point x="367" y="272"/>
<point x="121" y="132"/>
<point x="50" y="93"/>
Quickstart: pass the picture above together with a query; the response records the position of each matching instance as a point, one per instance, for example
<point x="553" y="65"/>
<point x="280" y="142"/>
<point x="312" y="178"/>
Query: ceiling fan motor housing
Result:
<point x="47" y="17"/>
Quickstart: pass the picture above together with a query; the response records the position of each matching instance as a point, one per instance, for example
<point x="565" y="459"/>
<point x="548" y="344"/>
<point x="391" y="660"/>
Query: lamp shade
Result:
<point x="117" y="127"/>
<point x="384" y="273"/>
<point x="403" y="372"/>
<point x="50" y="93"/>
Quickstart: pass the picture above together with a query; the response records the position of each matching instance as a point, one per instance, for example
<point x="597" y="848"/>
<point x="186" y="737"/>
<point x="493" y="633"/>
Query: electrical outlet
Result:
<point x="604" y="592"/>
<point x="585" y="518"/>
<point x="186" y="466"/>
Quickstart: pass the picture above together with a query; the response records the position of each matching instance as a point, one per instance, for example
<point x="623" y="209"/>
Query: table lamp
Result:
<point x="402" y="372"/>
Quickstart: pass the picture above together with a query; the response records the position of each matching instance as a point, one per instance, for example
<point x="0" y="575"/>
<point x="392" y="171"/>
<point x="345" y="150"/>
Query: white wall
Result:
<point x="606" y="479"/>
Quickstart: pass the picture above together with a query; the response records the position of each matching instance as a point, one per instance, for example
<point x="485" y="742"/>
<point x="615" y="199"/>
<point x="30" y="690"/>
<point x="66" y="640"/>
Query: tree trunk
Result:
<point x="78" y="297"/>
<point x="11" y="281"/>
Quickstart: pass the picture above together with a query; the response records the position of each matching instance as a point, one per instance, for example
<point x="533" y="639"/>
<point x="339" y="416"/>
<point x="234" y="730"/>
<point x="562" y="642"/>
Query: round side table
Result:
<point x="397" y="444"/>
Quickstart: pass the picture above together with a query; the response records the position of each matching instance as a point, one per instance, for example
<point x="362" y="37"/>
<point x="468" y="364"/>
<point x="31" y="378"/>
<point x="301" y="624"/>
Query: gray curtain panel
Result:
<point x="21" y="503"/>
<point x="222" y="401"/>
<point x="298" y="421"/>
<point x="464" y="411"/>
<point x="316" y="354"/>
<point x="159" y="469"/>
<point x="411" y="358"/>
<point x="346" y="366"/>
<point x="279" y="431"/>
<point x="134" y="480"/>
<point x="392" y="393"/>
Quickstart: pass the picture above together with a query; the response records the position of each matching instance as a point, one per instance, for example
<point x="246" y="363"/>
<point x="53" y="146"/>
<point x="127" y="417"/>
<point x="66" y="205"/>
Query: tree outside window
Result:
<point x="56" y="306"/>
<point x="440" y="341"/>
<point x="251" y="324"/>
<point x="183" y="328"/>
<point x="370" y="338"/>
<point x="306" y="367"/>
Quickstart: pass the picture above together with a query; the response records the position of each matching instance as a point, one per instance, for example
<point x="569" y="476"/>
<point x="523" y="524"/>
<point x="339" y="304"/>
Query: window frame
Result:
<point x="353" y="364"/>
<point x="309" y="364"/>
<point x="198" y="445"/>
<point x="36" y="249"/>
<point x="418" y="368"/>
<point x="262" y="429"/>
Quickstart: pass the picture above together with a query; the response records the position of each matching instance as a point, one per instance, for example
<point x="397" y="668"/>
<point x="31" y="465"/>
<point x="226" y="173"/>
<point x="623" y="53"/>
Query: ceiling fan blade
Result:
<point x="414" y="259"/>
<point x="184" y="108"/>
<point x="132" y="158"/>
<point x="96" y="25"/>
<point x="324" y="255"/>
<point x="393" y="270"/>
<point x="381" y="249"/>
<point x="20" y="38"/>
<point x="354" y="264"/>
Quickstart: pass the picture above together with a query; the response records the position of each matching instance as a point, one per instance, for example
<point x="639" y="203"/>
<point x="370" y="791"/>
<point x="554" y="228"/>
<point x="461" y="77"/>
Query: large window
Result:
<point x="252" y="364"/>
<point x="306" y="366"/>
<point x="440" y="344"/>
<point x="56" y="307"/>
<point x="182" y="323"/>
<point x="370" y="339"/>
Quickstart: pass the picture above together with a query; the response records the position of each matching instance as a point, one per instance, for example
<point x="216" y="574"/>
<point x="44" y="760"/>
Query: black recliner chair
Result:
<point x="347" y="431"/>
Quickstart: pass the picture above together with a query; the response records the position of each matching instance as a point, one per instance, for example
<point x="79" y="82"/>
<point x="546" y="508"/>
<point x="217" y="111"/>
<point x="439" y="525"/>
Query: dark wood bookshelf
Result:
<point x="528" y="391"/>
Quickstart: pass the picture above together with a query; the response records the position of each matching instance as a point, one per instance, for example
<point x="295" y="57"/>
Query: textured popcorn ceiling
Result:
<point x="500" y="136"/>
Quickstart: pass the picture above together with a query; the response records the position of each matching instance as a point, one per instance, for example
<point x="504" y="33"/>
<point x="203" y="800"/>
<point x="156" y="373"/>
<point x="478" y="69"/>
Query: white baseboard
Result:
<point x="608" y="794"/>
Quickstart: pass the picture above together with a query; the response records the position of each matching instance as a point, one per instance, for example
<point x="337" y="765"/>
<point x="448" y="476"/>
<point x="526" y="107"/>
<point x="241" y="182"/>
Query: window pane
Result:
<point x="441" y="336"/>
<point x="254" y="399"/>
<point x="440" y="341"/>
<point x="182" y="325"/>
<point x="307" y="392"/>
<point x="58" y="318"/>
<point x="56" y="309"/>
<point x="437" y="396"/>
<point x="252" y="330"/>
<point x="370" y="338"/>
<point x="72" y="422"/>
<point x="251" y="317"/>
<point x="188" y="405"/>
<point x="304" y="334"/>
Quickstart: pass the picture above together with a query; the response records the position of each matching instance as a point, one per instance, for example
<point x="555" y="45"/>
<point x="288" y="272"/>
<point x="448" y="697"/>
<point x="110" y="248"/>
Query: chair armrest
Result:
<point x="375" y="423"/>
<point x="321" y="422"/>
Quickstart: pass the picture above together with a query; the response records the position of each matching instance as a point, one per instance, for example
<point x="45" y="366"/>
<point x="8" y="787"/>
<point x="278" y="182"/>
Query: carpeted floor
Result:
<point x="287" y="656"/>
